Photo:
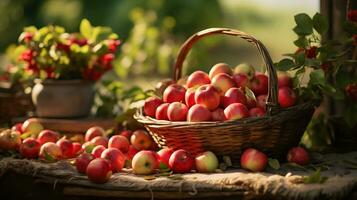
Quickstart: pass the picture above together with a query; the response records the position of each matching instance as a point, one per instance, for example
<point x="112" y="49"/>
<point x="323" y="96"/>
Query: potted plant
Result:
<point x="325" y="71"/>
<point x="64" y="66"/>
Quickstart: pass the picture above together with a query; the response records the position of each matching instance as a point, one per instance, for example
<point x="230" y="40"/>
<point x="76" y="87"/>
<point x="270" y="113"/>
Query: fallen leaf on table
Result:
<point x="315" y="178"/>
<point x="273" y="163"/>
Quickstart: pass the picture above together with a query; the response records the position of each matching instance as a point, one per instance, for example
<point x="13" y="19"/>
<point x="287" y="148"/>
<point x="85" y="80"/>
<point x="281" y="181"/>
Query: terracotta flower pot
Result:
<point x="62" y="98"/>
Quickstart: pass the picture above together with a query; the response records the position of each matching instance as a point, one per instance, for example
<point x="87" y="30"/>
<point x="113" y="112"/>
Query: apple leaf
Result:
<point x="227" y="160"/>
<point x="149" y="178"/>
<point x="315" y="178"/>
<point x="320" y="23"/>
<point x="304" y="24"/>
<point x="175" y="177"/>
<point x="85" y="28"/>
<point x="273" y="163"/>
<point x="285" y="64"/>
<point x="222" y="166"/>
<point x="48" y="157"/>
<point x="317" y="77"/>
<point x="301" y="42"/>
<point x="25" y="135"/>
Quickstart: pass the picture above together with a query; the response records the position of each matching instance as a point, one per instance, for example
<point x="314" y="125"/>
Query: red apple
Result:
<point x="145" y="162"/>
<point x="115" y="157"/>
<point x="77" y="148"/>
<point x="151" y="105"/>
<point x="206" y="162"/>
<point x="234" y="95"/>
<point x="88" y="146"/>
<point x="66" y="148"/>
<point x="241" y="80"/>
<point x="94" y="132"/>
<point x="220" y="68"/>
<point x="100" y="140"/>
<point x="208" y="96"/>
<point x="98" y="150"/>
<point x="181" y="161"/>
<point x="284" y="80"/>
<point x="164" y="157"/>
<point x="17" y="127"/>
<point x="236" y="111"/>
<point x="198" y="113"/>
<point x="82" y="162"/>
<point x="126" y="133"/>
<point x="32" y="127"/>
<point x="131" y="153"/>
<point x="197" y="78"/>
<point x="261" y="101"/>
<point x="253" y="160"/>
<point x="190" y="97"/>
<point x="222" y="82"/>
<point x="298" y="155"/>
<point x="50" y="152"/>
<point x="120" y="142"/>
<point x="161" y="112"/>
<point x="259" y="84"/>
<point x="174" y="93"/>
<point x="99" y="170"/>
<point x="10" y="140"/>
<point x="141" y="140"/>
<point x="286" y="97"/>
<point x="245" y="69"/>
<point x="256" y="112"/>
<point x="218" y="115"/>
<point x="47" y="136"/>
<point x="177" y="111"/>
<point x="30" y="148"/>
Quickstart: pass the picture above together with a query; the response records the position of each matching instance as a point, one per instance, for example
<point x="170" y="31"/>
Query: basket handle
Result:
<point x="272" y="97"/>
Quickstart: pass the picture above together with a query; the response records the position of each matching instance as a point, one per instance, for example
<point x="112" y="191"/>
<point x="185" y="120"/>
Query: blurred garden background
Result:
<point x="153" y="30"/>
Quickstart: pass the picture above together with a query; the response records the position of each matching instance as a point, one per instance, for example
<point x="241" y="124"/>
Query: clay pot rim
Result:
<point x="63" y="82"/>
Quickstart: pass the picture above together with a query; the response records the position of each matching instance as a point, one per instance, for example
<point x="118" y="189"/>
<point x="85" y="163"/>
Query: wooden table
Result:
<point x="26" y="179"/>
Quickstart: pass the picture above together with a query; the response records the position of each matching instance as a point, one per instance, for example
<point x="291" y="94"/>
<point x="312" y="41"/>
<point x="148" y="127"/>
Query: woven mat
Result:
<point x="285" y="183"/>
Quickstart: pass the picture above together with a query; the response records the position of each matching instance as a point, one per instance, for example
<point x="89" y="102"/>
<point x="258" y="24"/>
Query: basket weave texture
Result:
<point x="275" y="133"/>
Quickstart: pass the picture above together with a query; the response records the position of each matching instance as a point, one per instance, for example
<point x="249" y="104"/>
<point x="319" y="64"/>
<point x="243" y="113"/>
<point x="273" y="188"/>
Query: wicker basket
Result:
<point x="273" y="134"/>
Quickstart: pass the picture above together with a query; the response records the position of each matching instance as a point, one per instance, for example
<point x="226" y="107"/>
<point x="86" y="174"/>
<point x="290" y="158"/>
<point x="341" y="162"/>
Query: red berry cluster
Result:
<point x="223" y="94"/>
<point x="351" y="91"/>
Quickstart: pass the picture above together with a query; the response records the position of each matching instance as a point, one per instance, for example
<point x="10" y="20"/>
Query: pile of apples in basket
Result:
<point x="223" y="94"/>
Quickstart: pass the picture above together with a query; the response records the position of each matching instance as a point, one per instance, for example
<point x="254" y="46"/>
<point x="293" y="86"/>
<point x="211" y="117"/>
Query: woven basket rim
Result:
<point x="140" y="117"/>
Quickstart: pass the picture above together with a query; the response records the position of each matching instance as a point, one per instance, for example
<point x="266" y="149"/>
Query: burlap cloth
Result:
<point x="285" y="183"/>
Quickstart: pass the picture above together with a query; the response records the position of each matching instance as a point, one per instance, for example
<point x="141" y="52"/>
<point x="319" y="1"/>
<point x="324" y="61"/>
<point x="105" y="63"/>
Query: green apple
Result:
<point x="32" y="127"/>
<point x="206" y="162"/>
<point x="246" y="69"/>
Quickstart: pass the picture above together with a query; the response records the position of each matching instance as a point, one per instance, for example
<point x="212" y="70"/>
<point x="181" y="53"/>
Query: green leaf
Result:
<point x="317" y="77"/>
<point x="329" y="89"/>
<point x="85" y="28"/>
<point x="320" y="23"/>
<point x="285" y="64"/>
<point x="48" y="157"/>
<point x="227" y="160"/>
<point x="315" y="178"/>
<point x="300" y="59"/>
<point x="301" y="42"/>
<point x="273" y="163"/>
<point x="304" y="24"/>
